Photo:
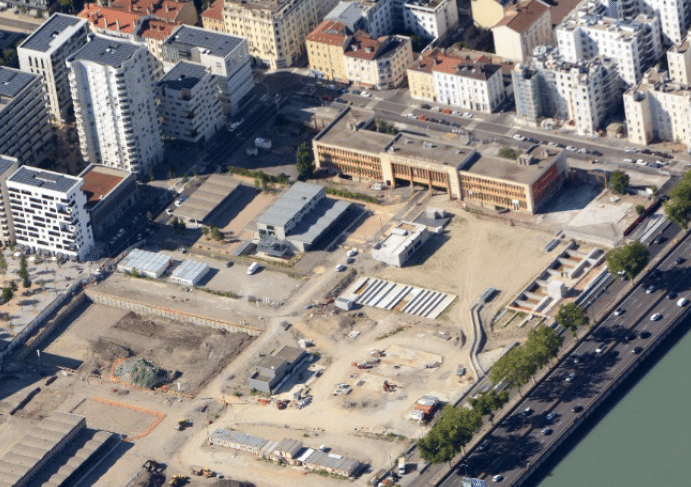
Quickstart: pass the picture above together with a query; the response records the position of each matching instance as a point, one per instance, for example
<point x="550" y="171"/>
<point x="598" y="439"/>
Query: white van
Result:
<point x="682" y="302"/>
<point x="252" y="268"/>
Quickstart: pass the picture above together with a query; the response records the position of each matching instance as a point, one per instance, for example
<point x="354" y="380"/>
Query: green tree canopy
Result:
<point x="571" y="316"/>
<point x="453" y="431"/>
<point x="543" y="344"/>
<point x="630" y="258"/>
<point x="304" y="161"/>
<point x="679" y="203"/>
<point x="7" y="294"/>
<point x="618" y="182"/>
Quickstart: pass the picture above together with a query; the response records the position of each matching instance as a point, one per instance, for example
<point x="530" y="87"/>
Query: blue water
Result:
<point x="643" y="436"/>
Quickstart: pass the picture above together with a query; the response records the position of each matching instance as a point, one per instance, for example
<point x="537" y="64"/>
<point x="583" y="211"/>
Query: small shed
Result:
<point x="190" y="272"/>
<point x="150" y="264"/>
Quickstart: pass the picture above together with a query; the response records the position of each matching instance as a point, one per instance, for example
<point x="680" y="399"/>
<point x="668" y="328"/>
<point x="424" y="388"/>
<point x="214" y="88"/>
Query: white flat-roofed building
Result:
<point x="150" y="264"/>
<point x="189" y="106"/>
<point x="112" y="90"/>
<point x="189" y="273"/>
<point x="635" y="44"/>
<point x="374" y="17"/>
<point x="226" y="56"/>
<point x="8" y="165"/>
<point x="44" y="53"/>
<point x="430" y="19"/>
<point x="404" y="240"/>
<point x="25" y="132"/>
<point x="49" y="213"/>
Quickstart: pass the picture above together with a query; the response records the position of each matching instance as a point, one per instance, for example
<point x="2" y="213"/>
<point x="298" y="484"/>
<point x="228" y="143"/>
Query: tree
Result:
<point x="544" y="343"/>
<point x="618" y="182"/>
<point x="23" y="268"/>
<point x="13" y="286"/>
<point x="571" y="316"/>
<point x="65" y="5"/>
<point x="304" y="162"/>
<point x="417" y="43"/>
<point x="509" y="153"/>
<point x="3" y="265"/>
<point x="630" y="258"/>
<point x="679" y="203"/>
<point x="9" y="58"/>
<point x="26" y="282"/>
<point x="487" y="402"/>
<point x="640" y="209"/>
<point x="149" y="216"/>
<point x="453" y="431"/>
<point x="7" y="294"/>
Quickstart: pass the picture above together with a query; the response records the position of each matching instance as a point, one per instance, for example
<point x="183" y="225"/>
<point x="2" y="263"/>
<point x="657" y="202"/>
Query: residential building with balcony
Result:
<point x="189" y="107"/>
<point x="377" y="63"/>
<point x="674" y="15"/>
<point x="635" y="44"/>
<point x="456" y="81"/>
<point x="430" y="19"/>
<point x="114" y="104"/>
<point x="49" y="213"/>
<point x="679" y="62"/>
<point x="226" y="56"/>
<point x="325" y="47"/>
<point x="8" y="165"/>
<point x="275" y="31"/>
<point x="524" y="27"/>
<point x="26" y="132"/>
<point x="212" y="17"/>
<point x="44" y="53"/>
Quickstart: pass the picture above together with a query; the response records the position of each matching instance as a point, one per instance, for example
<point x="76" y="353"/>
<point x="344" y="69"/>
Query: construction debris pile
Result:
<point x="140" y="372"/>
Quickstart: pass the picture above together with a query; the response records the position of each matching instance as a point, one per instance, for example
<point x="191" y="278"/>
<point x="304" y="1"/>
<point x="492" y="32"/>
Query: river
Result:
<point x="641" y="436"/>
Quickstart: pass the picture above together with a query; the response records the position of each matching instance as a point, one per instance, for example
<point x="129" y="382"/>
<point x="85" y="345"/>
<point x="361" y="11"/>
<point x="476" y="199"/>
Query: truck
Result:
<point x="401" y="465"/>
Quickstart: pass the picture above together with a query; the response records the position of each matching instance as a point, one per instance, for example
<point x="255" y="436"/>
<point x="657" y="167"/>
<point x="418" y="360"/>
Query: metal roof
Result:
<point x="146" y="261"/>
<point x="13" y="81"/>
<point x="236" y="437"/>
<point x="190" y="270"/>
<point x="106" y="50"/>
<point x="290" y="204"/>
<point x="51" y="29"/>
<point x="313" y="225"/>
<point x="40" y="178"/>
<point x="207" y="197"/>
<point x="183" y="76"/>
<point x="218" y="44"/>
<point x="331" y="460"/>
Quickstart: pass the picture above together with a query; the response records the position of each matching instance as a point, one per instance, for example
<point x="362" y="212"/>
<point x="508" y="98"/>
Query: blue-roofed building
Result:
<point x="189" y="106"/>
<point x="301" y="216"/>
<point x="114" y="104"/>
<point x="226" y="57"/>
<point x="25" y="130"/>
<point x="44" y="53"/>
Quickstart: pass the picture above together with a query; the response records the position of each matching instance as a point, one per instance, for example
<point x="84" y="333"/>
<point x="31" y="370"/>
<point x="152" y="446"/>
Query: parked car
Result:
<point x="468" y="115"/>
<point x="180" y="200"/>
<point x="656" y="317"/>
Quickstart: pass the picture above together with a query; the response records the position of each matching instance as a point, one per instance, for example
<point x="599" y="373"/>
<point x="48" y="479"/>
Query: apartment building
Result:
<point x="275" y="31"/>
<point x="212" y="17"/>
<point x="26" y="132"/>
<point x="44" y="53"/>
<point x="114" y="104"/>
<point x="524" y="27"/>
<point x="349" y="146"/>
<point x="49" y="213"/>
<point x="658" y="109"/>
<point x="585" y="93"/>
<point x="587" y="32"/>
<point x="679" y="62"/>
<point x="375" y="17"/>
<point x="377" y="63"/>
<point x="226" y="56"/>
<point x="456" y="81"/>
<point x="8" y="165"/>
<point x="189" y="107"/>
<point x="325" y="47"/>
<point x="177" y="12"/>
<point x="674" y="15"/>
<point x="430" y="19"/>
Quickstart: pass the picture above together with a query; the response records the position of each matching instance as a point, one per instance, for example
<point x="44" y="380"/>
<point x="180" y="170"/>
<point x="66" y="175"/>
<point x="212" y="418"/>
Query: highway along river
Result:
<point x="640" y="436"/>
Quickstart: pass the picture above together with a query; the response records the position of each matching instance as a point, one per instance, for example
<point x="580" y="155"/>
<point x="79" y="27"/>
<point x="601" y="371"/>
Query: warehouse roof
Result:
<point x="293" y="202"/>
<point x="236" y="437"/>
<point x="145" y="261"/>
<point x="207" y="197"/>
<point x="190" y="270"/>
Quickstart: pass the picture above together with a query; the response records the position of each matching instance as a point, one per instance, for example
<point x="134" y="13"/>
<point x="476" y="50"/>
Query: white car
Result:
<point x="552" y="143"/>
<point x="456" y="113"/>
<point x="340" y="268"/>
<point x="682" y="302"/>
<point x="582" y="150"/>
<point x="630" y="150"/>
<point x="641" y="162"/>
<point x="180" y="201"/>
<point x="518" y="137"/>
<point x="497" y="478"/>
<point x="571" y="148"/>
<point x="365" y="94"/>
<point x="352" y="253"/>
<point x="630" y="161"/>
<point x="436" y="109"/>
<point x="656" y="317"/>
<point x="411" y="115"/>
<point x="468" y="115"/>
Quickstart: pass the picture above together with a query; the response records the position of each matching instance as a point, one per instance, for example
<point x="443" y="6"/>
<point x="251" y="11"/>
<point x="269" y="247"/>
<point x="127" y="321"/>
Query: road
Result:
<point x="521" y="439"/>
<point x="24" y="26"/>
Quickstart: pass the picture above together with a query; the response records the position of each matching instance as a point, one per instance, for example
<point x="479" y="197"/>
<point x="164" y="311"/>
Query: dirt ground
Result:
<point x="100" y="335"/>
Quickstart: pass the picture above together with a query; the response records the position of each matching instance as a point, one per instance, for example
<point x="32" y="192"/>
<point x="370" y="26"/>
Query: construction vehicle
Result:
<point x="177" y="480"/>
<point x="389" y="386"/>
<point x="281" y="404"/>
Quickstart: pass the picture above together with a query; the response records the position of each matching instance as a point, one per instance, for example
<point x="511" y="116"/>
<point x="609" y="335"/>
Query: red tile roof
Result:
<point x="157" y="29"/>
<point x="163" y="9"/>
<point x="436" y="60"/>
<point x="111" y="19"/>
<point x="363" y="46"/>
<point x="522" y="16"/>
<point x="329" y="32"/>
<point x="215" y="11"/>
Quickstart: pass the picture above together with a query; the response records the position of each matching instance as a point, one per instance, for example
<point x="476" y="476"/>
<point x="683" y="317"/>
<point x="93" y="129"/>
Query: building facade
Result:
<point x="488" y="13"/>
<point x="374" y="17"/>
<point x="189" y="106"/>
<point x="26" y="132"/>
<point x="524" y="27"/>
<point x="377" y="63"/>
<point x="275" y="31"/>
<point x="635" y="44"/>
<point x="325" y="47"/>
<point x="226" y="56"/>
<point x="8" y="166"/>
<point x="114" y="104"/>
<point x="49" y="213"/>
<point x="44" y="53"/>
<point x="212" y="17"/>
<point x="456" y="81"/>
<point x="430" y="19"/>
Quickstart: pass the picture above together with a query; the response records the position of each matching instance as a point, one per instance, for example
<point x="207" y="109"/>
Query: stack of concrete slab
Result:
<point x="379" y="293"/>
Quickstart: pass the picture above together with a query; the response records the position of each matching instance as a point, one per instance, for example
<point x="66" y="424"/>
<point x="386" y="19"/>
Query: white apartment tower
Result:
<point x="431" y="19"/>
<point x="44" y="53"/>
<point x="587" y="33"/>
<point x="674" y="15"/>
<point x="189" y="107"/>
<point x="49" y="213"/>
<point x="112" y="90"/>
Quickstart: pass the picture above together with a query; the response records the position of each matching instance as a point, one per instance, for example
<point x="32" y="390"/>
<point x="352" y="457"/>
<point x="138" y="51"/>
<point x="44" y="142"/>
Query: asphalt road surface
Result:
<point x="521" y="438"/>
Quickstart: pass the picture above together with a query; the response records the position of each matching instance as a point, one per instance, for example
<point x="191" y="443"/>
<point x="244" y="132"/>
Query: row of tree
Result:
<point x="678" y="204"/>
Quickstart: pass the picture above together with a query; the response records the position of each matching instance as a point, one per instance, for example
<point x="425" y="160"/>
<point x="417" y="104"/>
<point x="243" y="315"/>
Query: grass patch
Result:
<point x="227" y="294"/>
<point x="391" y="333"/>
<point x="344" y="193"/>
